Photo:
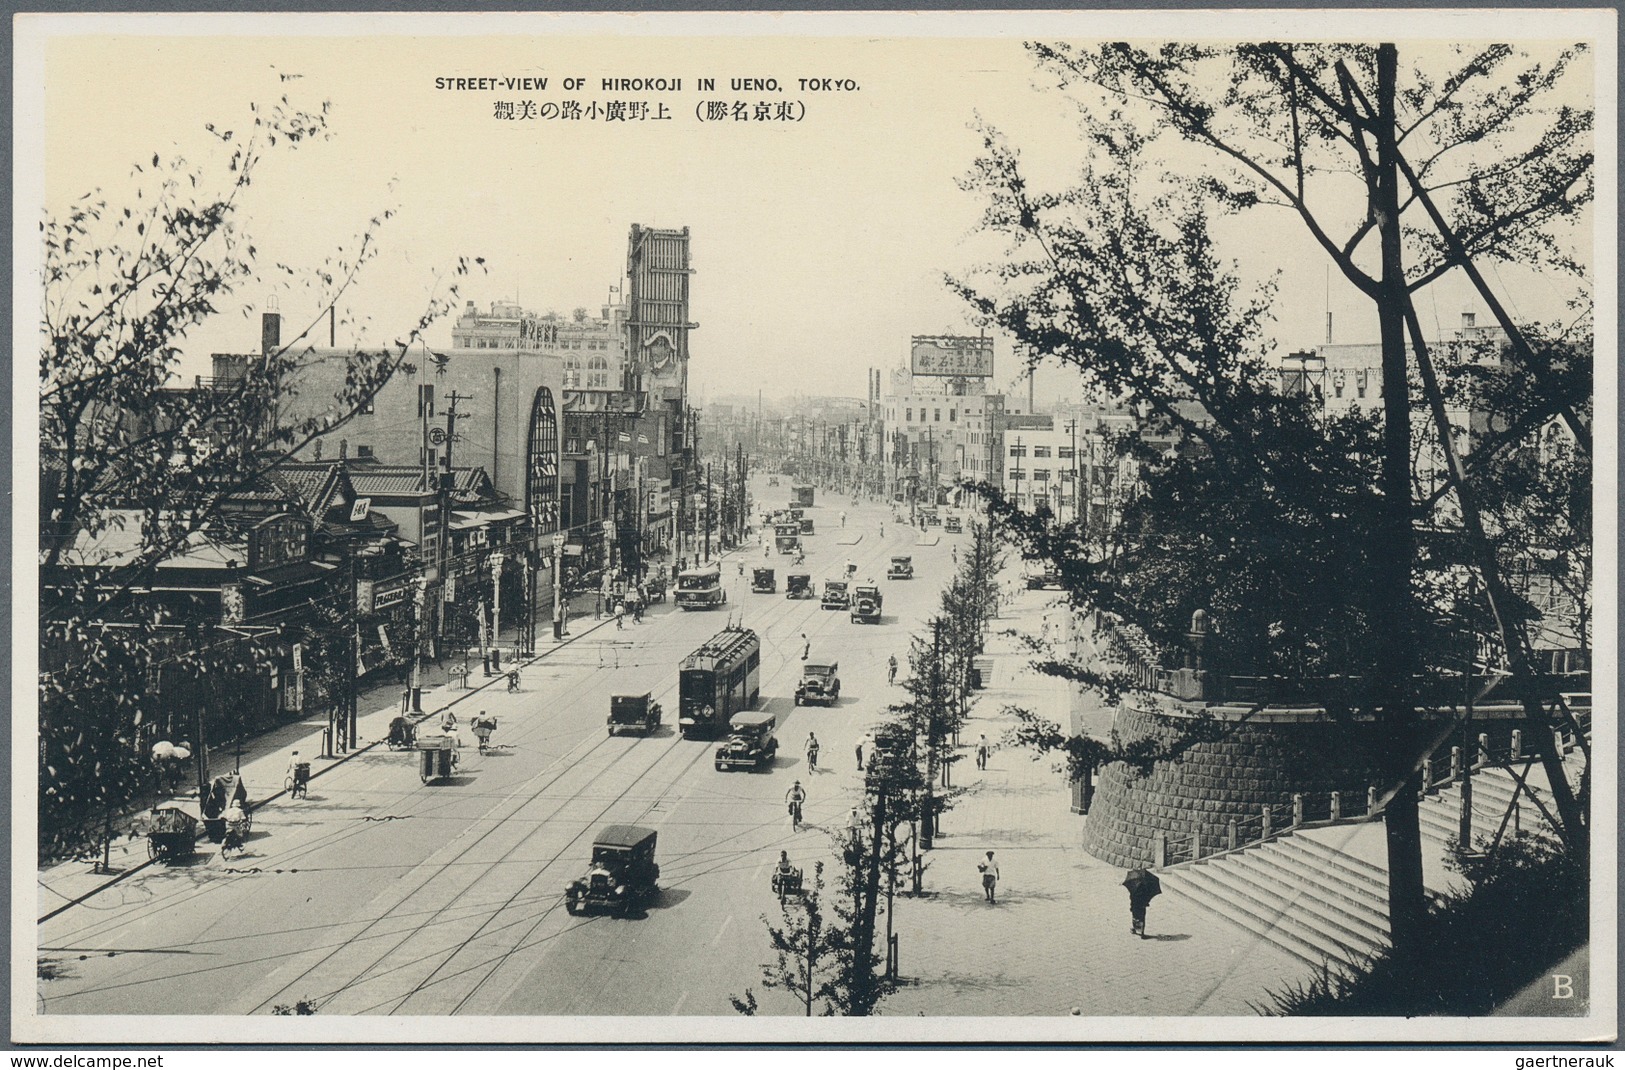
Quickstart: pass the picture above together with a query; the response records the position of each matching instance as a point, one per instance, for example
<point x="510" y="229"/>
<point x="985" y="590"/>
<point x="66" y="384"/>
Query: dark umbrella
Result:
<point x="1142" y="884"/>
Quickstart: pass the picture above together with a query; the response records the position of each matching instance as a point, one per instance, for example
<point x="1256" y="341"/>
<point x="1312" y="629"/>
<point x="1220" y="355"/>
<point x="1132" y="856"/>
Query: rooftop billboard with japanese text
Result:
<point x="951" y="355"/>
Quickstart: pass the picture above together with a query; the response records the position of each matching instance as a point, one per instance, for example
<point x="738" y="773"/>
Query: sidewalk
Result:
<point x="1058" y="938"/>
<point x="264" y="761"/>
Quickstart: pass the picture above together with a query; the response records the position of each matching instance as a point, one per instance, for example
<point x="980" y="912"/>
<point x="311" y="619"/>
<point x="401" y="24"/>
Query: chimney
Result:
<point x="1328" y="327"/>
<point x="270" y="332"/>
<point x="1468" y="319"/>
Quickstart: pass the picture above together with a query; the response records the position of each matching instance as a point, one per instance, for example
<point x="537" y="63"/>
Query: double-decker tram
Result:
<point x="701" y="588"/>
<point x="717" y="681"/>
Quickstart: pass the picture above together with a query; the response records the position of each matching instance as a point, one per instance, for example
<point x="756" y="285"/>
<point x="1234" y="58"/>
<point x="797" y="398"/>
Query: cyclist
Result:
<point x="793" y="800"/>
<point x="812" y="753"/>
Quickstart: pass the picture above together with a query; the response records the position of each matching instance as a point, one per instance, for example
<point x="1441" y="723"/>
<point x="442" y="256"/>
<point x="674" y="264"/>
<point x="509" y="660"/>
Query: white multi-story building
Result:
<point x="593" y="348"/>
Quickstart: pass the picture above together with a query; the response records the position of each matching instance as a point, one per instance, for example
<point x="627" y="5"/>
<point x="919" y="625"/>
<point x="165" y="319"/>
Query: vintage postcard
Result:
<point x="972" y="527"/>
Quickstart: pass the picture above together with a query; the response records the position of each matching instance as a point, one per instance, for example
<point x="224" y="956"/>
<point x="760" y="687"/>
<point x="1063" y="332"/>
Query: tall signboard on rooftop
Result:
<point x="951" y="354"/>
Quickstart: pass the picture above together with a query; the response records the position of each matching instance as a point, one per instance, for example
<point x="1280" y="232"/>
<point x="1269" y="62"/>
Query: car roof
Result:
<point x="820" y="663"/>
<point x="752" y="720"/>
<point x="902" y="557"/>
<point x="630" y="698"/>
<point x="623" y="835"/>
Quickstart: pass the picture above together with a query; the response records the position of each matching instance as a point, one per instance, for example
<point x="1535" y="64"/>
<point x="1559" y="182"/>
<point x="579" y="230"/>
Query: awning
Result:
<point x="462" y="520"/>
<point x="291" y="575"/>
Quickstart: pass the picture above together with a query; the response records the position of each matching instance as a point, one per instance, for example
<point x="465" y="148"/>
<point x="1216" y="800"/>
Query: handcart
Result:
<point x="402" y="734"/>
<point x="224" y="791"/>
<point x="437" y="757"/>
<point x="173" y="835"/>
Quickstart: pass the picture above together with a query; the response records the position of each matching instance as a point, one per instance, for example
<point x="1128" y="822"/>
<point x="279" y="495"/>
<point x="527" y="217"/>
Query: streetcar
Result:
<point x="701" y="588"/>
<point x="802" y="495"/>
<point x="717" y="681"/>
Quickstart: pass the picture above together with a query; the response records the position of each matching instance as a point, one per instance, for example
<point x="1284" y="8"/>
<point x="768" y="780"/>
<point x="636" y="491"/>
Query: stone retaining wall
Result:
<point x="1263" y="761"/>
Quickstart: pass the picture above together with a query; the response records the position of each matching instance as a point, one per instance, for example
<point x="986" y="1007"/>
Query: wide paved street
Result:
<point x="395" y="897"/>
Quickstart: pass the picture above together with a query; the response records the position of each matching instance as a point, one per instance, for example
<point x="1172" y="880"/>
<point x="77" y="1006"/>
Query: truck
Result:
<point x="719" y="679"/>
<point x="866" y="604"/>
<point x="835" y="594"/>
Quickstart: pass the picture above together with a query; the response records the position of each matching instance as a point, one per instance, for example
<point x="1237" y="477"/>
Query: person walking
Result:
<point x="843" y="518"/>
<point x="806" y="646"/>
<point x="891" y="669"/>
<point x="861" y="740"/>
<point x="620" y="613"/>
<point x="1143" y="886"/>
<point x="981" y="751"/>
<point x="990" y="876"/>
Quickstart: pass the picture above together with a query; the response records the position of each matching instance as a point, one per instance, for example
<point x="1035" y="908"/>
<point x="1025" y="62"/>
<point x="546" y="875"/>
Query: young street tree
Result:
<point x="1400" y="175"/>
<point x="136" y="464"/>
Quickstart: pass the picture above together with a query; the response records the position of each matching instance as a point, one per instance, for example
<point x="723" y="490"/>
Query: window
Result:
<point x="1041" y="475"/>
<point x="367" y="407"/>
<point x="363" y="451"/>
<point x="910" y="417"/>
<point x="1066" y="453"/>
<point x="1067" y="475"/>
<point x="1018" y="451"/>
<point x="951" y="415"/>
<point x="1017" y="475"/>
<point x="936" y="414"/>
<point x="1040" y="451"/>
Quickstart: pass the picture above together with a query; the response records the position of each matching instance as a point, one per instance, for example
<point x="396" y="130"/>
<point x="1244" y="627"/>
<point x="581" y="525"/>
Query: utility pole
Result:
<point x="448" y="482"/>
<point x="705" y="516"/>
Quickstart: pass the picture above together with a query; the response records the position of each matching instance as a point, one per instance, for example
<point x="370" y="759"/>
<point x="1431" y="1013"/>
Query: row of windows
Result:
<point x="1064" y="453"/>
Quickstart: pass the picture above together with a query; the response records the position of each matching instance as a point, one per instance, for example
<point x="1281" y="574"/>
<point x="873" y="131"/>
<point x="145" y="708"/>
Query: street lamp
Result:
<point x="496" y="607"/>
<point x="558" y="597"/>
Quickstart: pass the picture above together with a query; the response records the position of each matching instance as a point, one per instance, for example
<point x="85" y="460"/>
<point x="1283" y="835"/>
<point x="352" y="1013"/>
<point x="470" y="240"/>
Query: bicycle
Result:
<point x="812" y="759"/>
<point x="795" y="815"/>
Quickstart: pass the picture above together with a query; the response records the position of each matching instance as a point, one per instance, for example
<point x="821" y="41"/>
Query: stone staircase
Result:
<point x="1493" y="791"/>
<point x="1321" y="894"/>
<point x="1313" y="901"/>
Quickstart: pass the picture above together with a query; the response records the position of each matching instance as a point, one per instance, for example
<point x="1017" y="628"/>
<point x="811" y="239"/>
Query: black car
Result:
<point x="750" y="743"/>
<point x="622" y="874"/>
<point x="820" y="683"/>
<point x="633" y="713"/>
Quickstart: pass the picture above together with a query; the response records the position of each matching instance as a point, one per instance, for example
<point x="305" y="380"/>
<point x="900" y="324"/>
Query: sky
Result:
<point x="818" y="246"/>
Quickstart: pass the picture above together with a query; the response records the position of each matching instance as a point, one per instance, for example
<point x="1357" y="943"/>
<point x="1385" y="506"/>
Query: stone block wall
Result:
<point x="1262" y="761"/>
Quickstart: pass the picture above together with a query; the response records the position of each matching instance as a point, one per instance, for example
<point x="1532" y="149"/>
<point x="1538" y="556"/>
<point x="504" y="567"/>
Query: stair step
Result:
<point x="1366" y="917"/>
<point x="1373" y="879"/>
<point x="1304" y="943"/>
<point x="1355" y="897"/>
<point x="1299" y="900"/>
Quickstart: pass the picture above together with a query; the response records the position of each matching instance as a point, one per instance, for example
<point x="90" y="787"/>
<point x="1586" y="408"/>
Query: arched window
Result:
<point x="542" y="486"/>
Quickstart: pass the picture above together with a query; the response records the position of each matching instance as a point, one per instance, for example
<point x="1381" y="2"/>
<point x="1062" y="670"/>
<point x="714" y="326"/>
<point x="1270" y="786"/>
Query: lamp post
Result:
<point x="496" y="601"/>
<point x="558" y="594"/>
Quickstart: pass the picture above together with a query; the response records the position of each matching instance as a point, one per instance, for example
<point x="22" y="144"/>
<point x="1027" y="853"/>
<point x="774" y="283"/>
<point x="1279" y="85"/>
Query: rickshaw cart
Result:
<point x="173" y="835"/>
<point x="798" y="585"/>
<point x="222" y="793"/>
<point x="787" y="883"/>
<point x="402" y="734"/>
<point x="437" y="757"/>
<point x="762" y="581"/>
<point x="655" y="588"/>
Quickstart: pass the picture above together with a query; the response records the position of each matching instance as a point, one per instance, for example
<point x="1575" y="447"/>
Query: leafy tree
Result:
<point x="1465" y="156"/>
<point x="136" y="467"/>
<point x="804" y="951"/>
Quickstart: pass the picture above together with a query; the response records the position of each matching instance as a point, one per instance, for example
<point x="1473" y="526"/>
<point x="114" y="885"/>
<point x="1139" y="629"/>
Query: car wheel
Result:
<point x="571" y="908"/>
<point x="719" y="767"/>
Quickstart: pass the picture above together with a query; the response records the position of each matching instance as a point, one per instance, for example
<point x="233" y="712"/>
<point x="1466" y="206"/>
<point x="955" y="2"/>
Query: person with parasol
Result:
<point x="1143" y="886"/>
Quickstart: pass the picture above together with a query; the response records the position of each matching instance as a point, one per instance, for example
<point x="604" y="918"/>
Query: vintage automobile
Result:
<point x="1040" y="578"/>
<point x="762" y="581"/>
<point x="633" y="713"/>
<point x="622" y="873"/>
<point x="888" y="751"/>
<point x="820" y="683"/>
<point x="750" y="743"/>
<point x="772" y="481"/>
<point x="807" y="525"/>
<point x="902" y="568"/>
<point x="798" y="585"/>
<point x="866" y="604"/>
<point x="954" y="524"/>
<point x="929" y="515"/>
<point x="835" y="594"/>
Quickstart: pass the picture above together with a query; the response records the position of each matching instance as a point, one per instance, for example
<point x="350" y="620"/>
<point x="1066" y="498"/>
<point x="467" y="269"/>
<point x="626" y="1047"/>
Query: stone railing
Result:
<point x="1444" y="767"/>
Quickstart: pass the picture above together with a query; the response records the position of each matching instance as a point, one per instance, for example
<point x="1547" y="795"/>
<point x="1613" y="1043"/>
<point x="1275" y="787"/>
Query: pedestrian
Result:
<point x="990" y="876"/>
<point x="620" y="612"/>
<point x="981" y="751"/>
<point x="882" y="529"/>
<point x="860" y="753"/>
<point x="637" y="612"/>
<point x="891" y="669"/>
<point x="806" y="646"/>
<point x="597" y="605"/>
<point x="843" y="518"/>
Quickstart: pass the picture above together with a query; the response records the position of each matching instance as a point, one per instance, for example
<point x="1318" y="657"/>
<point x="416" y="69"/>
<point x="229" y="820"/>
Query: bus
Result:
<point x="701" y="588"/>
<point x="717" y="681"/>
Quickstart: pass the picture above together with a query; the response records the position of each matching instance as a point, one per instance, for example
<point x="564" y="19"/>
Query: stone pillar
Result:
<point x="1162" y="850"/>
<point x="1483" y="750"/>
<point x="1455" y="763"/>
<point x="1427" y="776"/>
<point x="1297" y="810"/>
<point x="1230" y="835"/>
<point x="1265" y="834"/>
<point x="1337" y="806"/>
<point x="1370" y="800"/>
<point x="1196" y="842"/>
<point x="1517" y="743"/>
